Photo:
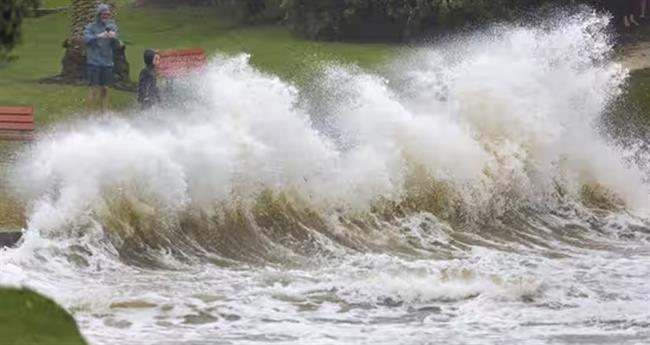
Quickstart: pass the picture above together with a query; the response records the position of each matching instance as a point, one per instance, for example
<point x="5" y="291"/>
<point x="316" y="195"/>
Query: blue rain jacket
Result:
<point x="99" y="50"/>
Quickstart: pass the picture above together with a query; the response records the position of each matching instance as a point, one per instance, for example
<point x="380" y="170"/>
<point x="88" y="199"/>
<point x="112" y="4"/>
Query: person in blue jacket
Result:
<point x="101" y="41"/>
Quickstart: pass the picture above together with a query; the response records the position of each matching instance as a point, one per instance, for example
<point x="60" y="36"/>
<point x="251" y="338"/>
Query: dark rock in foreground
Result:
<point x="29" y="318"/>
<point x="9" y="239"/>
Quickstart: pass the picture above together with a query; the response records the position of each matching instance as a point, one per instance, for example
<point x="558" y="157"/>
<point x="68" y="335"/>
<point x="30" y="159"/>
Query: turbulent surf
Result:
<point x="470" y="192"/>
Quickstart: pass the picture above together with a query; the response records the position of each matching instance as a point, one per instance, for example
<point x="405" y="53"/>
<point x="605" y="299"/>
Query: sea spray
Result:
<point x="463" y="195"/>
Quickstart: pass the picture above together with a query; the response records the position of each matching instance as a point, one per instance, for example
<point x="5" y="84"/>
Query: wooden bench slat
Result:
<point x="17" y="110"/>
<point x="16" y="123"/>
<point x="16" y="135"/>
<point x="184" y="51"/>
<point x="171" y="63"/>
<point x="175" y="66"/>
<point x="183" y="54"/>
<point x="15" y="118"/>
<point x="179" y="61"/>
<point x="21" y="126"/>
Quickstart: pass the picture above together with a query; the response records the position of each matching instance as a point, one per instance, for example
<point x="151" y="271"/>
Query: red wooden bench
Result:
<point x="16" y="123"/>
<point x="175" y="62"/>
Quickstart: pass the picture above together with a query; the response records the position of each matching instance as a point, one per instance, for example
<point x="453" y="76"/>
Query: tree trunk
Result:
<point x="73" y="64"/>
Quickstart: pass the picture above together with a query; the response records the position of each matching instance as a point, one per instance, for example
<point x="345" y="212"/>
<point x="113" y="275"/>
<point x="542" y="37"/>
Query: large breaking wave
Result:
<point x="496" y="128"/>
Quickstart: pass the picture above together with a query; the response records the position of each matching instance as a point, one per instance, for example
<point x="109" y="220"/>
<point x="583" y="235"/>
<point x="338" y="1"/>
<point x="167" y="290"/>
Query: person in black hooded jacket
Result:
<point x="148" y="94"/>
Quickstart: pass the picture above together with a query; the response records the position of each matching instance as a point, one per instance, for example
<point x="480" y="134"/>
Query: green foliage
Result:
<point x="12" y="13"/>
<point x="249" y="11"/>
<point x="28" y="318"/>
<point x="263" y="10"/>
<point x="396" y="19"/>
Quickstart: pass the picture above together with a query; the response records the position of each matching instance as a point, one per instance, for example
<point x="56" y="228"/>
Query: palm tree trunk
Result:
<point x="73" y="64"/>
<point x="74" y="60"/>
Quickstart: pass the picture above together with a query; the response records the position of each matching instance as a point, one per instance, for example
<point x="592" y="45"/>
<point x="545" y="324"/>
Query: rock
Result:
<point x="29" y="318"/>
<point x="200" y="319"/>
<point x="121" y="324"/>
<point x="430" y="309"/>
<point x="9" y="239"/>
<point x="390" y="302"/>
<point x="132" y="305"/>
<point x="231" y="317"/>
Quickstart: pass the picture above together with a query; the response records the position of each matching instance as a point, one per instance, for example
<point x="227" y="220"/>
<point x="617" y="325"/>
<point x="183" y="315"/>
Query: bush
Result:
<point x="394" y="19"/>
<point x="12" y="13"/>
<point x="250" y="11"/>
<point x="262" y="10"/>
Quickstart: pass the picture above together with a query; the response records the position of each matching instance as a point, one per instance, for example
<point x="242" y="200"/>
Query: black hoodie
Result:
<point x="147" y="89"/>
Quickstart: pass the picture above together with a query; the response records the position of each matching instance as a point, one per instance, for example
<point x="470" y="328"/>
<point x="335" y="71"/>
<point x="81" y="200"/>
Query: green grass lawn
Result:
<point x="55" y="3"/>
<point x="272" y="47"/>
<point x="629" y="116"/>
<point x="27" y="318"/>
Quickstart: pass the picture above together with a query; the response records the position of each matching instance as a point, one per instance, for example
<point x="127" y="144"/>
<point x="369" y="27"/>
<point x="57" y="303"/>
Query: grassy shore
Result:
<point x="54" y="3"/>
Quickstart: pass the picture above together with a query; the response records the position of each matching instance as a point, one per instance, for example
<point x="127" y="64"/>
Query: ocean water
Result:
<point x="470" y="192"/>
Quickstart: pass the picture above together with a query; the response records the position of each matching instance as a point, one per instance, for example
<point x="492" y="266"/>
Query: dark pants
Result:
<point x="99" y="75"/>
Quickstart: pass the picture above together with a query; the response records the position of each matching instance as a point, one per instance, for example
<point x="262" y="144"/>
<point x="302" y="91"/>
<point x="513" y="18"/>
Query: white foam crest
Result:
<point x="378" y="120"/>
<point x="533" y="98"/>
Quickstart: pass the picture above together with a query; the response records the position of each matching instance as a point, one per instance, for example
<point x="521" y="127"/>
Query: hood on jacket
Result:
<point x="102" y="8"/>
<point x="149" y="54"/>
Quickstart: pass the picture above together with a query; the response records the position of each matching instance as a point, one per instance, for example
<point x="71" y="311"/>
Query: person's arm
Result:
<point x="156" y="91"/>
<point x="90" y="35"/>
<point x="141" y="87"/>
<point x="144" y="87"/>
<point x="113" y="35"/>
<point x="114" y="30"/>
